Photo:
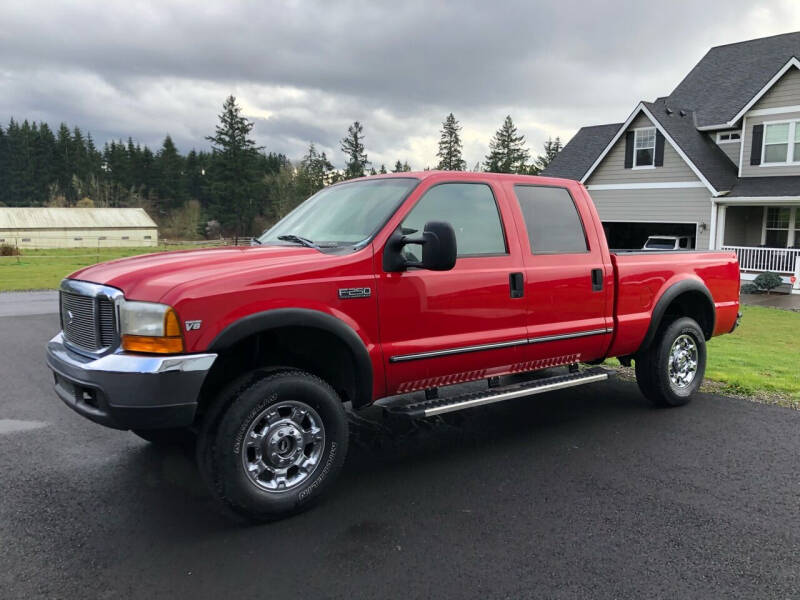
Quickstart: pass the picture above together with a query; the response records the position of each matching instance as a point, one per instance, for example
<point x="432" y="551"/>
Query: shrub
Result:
<point x="85" y="203"/>
<point x="184" y="223"/>
<point x="8" y="250"/>
<point x="749" y="288"/>
<point x="768" y="281"/>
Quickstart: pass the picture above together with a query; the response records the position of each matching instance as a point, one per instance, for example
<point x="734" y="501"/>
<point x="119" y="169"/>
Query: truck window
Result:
<point x="472" y="211"/>
<point x="552" y="220"/>
<point x="657" y="243"/>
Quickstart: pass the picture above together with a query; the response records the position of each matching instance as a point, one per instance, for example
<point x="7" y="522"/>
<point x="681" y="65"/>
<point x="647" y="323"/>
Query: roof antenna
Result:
<point x="668" y="110"/>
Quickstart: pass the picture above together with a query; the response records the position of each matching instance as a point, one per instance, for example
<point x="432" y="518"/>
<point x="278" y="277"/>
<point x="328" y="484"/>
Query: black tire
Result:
<point x="166" y="437"/>
<point x="222" y="450"/>
<point x="653" y="364"/>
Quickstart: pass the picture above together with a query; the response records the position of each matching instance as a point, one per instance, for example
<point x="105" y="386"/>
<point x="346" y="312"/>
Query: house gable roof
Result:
<point x="731" y="78"/>
<point x="581" y="151"/>
<point x="726" y="83"/>
<point x="708" y="161"/>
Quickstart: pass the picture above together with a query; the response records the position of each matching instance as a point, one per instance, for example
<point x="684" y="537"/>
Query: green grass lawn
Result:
<point x="43" y="269"/>
<point x="762" y="355"/>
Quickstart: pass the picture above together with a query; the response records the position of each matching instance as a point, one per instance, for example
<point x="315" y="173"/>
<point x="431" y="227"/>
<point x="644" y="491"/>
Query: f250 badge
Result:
<point x="347" y="293"/>
<point x="192" y="325"/>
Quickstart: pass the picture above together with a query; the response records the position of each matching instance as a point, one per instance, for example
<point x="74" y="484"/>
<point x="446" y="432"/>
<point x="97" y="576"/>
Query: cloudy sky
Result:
<point x="303" y="71"/>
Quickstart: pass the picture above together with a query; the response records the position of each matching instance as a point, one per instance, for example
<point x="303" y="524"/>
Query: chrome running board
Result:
<point x="438" y="406"/>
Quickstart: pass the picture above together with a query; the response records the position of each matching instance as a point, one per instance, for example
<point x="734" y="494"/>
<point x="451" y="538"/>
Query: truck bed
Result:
<point x="642" y="276"/>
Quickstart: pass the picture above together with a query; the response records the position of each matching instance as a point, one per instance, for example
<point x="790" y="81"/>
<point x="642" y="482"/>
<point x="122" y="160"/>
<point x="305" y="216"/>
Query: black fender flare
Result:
<point x="672" y="292"/>
<point x="262" y="322"/>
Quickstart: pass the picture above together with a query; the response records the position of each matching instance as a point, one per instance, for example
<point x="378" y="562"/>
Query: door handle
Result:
<point x="517" y="284"/>
<point x="597" y="280"/>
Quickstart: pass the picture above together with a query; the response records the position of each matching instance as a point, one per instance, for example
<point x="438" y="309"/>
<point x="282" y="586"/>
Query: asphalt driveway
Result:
<point x="589" y="493"/>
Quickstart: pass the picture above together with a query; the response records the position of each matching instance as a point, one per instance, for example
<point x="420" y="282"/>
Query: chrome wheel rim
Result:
<point x="283" y="446"/>
<point x="682" y="365"/>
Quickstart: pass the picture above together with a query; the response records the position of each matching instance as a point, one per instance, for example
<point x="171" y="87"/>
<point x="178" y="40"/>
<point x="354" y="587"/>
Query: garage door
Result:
<point x="634" y="235"/>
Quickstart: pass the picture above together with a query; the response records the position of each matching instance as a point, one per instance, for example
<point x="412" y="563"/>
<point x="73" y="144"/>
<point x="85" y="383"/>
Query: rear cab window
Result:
<point x="551" y="220"/>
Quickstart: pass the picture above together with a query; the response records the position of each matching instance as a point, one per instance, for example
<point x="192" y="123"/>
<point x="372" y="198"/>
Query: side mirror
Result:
<point x="439" y="249"/>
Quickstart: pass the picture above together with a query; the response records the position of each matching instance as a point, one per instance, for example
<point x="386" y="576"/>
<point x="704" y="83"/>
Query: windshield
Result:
<point x="344" y="214"/>
<point x="660" y="244"/>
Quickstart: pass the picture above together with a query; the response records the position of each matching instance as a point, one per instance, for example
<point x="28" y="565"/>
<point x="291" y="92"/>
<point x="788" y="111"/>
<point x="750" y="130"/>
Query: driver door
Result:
<point x="443" y="327"/>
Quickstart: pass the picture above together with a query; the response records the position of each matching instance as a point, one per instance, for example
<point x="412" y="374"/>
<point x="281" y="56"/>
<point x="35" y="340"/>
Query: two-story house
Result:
<point x="717" y="159"/>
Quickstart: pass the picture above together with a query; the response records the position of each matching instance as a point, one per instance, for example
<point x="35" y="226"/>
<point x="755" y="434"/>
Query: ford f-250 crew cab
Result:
<point x="375" y="288"/>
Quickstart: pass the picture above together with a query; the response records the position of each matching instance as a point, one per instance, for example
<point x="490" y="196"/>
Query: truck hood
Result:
<point x="149" y="277"/>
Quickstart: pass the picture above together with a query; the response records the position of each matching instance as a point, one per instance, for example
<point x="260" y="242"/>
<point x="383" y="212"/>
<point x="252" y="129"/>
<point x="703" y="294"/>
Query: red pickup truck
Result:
<point x="370" y="289"/>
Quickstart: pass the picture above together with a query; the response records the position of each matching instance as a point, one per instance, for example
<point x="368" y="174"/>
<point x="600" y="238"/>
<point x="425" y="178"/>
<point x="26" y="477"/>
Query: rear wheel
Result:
<point x="276" y="446"/>
<point x="671" y="370"/>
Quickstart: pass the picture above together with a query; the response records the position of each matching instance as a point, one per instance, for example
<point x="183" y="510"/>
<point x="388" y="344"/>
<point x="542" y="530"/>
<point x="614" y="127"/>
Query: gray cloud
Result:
<point x="305" y="70"/>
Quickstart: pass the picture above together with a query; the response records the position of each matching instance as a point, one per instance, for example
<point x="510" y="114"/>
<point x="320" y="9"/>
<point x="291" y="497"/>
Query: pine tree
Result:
<point x="449" y="153"/>
<point x="353" y="147"/>
<point x="398" y="167"/>
<point x="551" y="148"/>
<point x="507" y="152"/>
<point x="4" y="157"/>
<point x="168" y="179"/>
<point x="315" y="168"/>
<point x="383" y="170"/>
<point x="235" y="179"/>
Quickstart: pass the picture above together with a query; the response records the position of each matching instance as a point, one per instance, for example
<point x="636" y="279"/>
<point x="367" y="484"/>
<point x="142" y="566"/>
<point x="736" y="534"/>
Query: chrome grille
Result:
<point x="108" y="322"/>
<point x="88" y="322"/>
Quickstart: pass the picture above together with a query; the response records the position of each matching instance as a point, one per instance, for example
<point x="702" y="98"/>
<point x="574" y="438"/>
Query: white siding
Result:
<point x="743" y="225"/>
<point x="731" y="149"/>
<point x="612" y="169"/>
<point x="79" y="238"/>
<point x="687" y="205"/>
<point x="785" y="92"/>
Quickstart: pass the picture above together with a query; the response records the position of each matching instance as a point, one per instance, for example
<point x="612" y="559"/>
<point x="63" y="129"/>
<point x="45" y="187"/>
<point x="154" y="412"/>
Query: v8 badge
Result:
<point x="192" y="325"/>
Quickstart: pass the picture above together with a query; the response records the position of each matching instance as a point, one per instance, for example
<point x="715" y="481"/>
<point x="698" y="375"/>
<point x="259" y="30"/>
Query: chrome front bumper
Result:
<point x="129" y="391"/>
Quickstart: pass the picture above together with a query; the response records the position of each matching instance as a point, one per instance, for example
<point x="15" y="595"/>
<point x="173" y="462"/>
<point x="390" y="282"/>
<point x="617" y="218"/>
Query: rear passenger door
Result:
<point x="565" y="279"/>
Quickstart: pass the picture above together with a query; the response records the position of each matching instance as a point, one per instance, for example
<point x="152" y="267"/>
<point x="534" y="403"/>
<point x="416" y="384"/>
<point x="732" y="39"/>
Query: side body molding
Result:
<point x="312" y="319"/>
<point x="675" y="290"/>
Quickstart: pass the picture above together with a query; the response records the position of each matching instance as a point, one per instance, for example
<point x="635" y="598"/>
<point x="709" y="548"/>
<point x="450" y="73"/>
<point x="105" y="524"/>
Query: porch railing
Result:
<point x="777" y="260"/>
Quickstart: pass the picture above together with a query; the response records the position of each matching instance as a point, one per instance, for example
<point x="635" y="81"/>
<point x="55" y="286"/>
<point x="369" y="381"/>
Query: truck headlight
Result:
<point x="150" y="327"/>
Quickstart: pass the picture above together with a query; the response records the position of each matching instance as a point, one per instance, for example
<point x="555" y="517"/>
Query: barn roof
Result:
<point x="74" y="218"/>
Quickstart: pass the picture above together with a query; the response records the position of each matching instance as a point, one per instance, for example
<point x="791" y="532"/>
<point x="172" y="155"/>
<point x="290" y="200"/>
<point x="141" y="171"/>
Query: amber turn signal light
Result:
<point x="170" y="343"/>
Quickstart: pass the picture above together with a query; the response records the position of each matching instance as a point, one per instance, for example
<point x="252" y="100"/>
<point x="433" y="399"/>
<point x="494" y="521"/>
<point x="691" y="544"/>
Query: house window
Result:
<point x="644" y="147"/>
<point x="776" y="226"/>
<point x="781" y="143"/>
<point x="728" y="137"/>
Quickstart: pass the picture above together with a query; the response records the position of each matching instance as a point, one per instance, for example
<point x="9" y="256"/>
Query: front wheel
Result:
<point x="277" y="446"/>
<point x="671" y="370"/>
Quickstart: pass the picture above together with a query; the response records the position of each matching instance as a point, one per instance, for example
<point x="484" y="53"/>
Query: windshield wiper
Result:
<point x="290" y="237"/>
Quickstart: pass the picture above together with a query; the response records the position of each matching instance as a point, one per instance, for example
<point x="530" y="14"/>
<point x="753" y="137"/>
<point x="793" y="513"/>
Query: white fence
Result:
<point x="777" y="260"/>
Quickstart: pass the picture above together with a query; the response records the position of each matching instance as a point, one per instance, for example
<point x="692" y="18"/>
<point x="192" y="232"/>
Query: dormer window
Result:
<point x="644" y="147"/>
<point x="781" y="143"/>
<point x="728" y="137"/>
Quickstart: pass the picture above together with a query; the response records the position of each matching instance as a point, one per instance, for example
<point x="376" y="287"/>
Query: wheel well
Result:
<point x="695" y="305"/>
<point x="306" y="348"/>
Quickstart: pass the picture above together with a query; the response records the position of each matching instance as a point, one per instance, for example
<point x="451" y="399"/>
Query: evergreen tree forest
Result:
<point x="234" y="188"/>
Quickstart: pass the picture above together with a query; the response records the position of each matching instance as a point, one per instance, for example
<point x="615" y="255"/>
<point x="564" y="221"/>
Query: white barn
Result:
<point x="35" y="227"/>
